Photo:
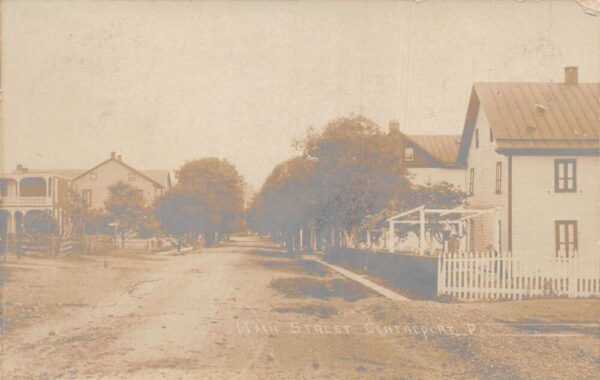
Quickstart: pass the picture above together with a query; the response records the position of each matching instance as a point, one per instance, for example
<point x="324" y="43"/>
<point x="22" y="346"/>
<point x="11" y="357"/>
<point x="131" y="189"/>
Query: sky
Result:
<point x="165" y="82"/>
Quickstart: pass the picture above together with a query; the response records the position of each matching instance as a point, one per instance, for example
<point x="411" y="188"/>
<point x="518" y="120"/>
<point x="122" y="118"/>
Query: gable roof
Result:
<point x="148" y="174"/>
<point x="533" y="118"/>
<point x="442" y="147"/>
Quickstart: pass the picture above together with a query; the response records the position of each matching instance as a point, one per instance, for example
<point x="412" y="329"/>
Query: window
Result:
<point x="472" y="181"/>
<point x="566" y="238"/>
<point x="86" y="197"/>
<point x="565" y="176"/>
<point x="131" y="176"/>
<point x="93" y="176"/>
<point x="491" y="135"/>
<point x="477" y="138"/>
<point x="139" y="193"/>
<point x="498" y="177"/>
<point x="409" y="154"/>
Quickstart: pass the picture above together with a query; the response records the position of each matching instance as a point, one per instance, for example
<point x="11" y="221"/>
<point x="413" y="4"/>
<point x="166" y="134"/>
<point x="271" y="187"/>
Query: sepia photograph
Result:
<point x="329" y="189"/>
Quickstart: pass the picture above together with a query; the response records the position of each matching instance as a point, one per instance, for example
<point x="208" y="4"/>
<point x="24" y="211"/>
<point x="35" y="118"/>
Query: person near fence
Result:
<point x="200" y="243"/>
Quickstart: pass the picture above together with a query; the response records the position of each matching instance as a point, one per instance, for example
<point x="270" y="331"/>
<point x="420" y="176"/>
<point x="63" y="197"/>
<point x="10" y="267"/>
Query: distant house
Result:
<point x="93" y="184"/>
<point x="432" y="158"/>
<point x="531" y="151"/>
<point x="24" y="192"/>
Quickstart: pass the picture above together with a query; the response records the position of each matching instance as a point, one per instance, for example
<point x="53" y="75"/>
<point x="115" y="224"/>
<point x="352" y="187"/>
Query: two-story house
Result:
<point x="24" y="192"/>
<point x="531" y="150"/>
<point x="93" y="184"/>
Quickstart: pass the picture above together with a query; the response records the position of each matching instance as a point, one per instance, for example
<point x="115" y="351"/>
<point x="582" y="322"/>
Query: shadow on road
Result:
<point x="321" y="289"/>
<point x="303" y="267"/>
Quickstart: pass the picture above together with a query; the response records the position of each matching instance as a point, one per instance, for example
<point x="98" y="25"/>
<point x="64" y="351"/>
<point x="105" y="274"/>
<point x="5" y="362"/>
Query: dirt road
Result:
<point x="248" y="311"/>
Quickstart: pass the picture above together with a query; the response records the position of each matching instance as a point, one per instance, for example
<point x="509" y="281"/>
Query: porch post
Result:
<point x="369" y="238"/>
<point x="301" y="238"/>
<point x="497" y="242"/>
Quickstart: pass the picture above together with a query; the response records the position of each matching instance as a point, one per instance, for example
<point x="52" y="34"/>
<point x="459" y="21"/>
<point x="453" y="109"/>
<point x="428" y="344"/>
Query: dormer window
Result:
<point x="409" y="154"/>
<point x="131" y="176"/>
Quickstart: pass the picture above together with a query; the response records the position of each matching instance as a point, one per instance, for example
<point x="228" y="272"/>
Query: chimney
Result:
<point x="113" y="155"/>
<point x="119" y="157"/>
<point x="571" y="75"/>
<point x="394" y="127"/>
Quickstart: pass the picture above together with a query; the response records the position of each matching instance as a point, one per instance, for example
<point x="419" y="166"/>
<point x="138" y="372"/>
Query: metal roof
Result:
<point x="442" y="147"/>
<point x="536" y="116"/>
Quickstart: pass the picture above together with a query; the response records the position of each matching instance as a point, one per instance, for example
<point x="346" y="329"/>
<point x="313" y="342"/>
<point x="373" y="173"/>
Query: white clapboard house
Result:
<point x="531" y="150"/>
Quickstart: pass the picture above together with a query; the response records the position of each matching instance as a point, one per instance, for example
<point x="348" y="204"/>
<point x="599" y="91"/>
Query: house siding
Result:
<point x="109" y="174"/>
<point x="536" y="206"/>
<point x="483" y="160"/>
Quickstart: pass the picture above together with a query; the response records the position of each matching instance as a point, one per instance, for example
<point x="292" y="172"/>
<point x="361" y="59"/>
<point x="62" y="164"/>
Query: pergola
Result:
<point x="454" y="216"/>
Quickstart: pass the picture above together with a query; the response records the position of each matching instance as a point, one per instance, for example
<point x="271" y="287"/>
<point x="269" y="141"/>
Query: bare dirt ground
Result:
<point x="248" y="311"/>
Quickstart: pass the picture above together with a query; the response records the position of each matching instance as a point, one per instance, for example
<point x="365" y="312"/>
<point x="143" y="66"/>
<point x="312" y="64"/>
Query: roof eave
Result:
<point x="549" y="151"/>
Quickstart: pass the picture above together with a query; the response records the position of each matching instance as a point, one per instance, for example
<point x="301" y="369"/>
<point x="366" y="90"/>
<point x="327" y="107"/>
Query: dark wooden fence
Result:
<point x="410" y="273"/>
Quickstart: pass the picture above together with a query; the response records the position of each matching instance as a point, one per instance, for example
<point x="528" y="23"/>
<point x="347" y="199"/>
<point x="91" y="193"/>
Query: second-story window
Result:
<point x="86" y="197"/>
<point x="131" y="176"/>
<point x="409" y="154"/>
<point x="477" y="138"/>
<point x="498" y="177"/>
<point x="472" y="181"/>
<point x="565" y="176"/>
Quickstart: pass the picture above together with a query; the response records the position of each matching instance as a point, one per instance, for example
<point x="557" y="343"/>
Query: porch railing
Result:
<point x="25" y="201"/>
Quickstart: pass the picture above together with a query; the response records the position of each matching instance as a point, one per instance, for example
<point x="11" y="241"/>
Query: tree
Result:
<point x="347" y="171"/>
<point x="208" y="199"/>
<point x="124" y="206"/>
<point x="359" y="171"/>
<point x="286" y="201"/>
<point x="86" y="220"/>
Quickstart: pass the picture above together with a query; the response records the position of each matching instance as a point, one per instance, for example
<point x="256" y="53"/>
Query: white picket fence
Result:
<point x="489" y="275"/>
<point x="141" y="244"/>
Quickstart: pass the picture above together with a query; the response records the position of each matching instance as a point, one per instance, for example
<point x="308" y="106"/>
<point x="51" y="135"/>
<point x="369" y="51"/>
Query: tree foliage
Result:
<point x="348" y="171"/>
<point x="124" y="206"/>
<point x="86" y="219"/>
<point x="207" y="199"/>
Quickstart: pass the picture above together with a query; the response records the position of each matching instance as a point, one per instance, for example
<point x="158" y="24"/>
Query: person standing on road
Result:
<point x="200" y="243"/>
